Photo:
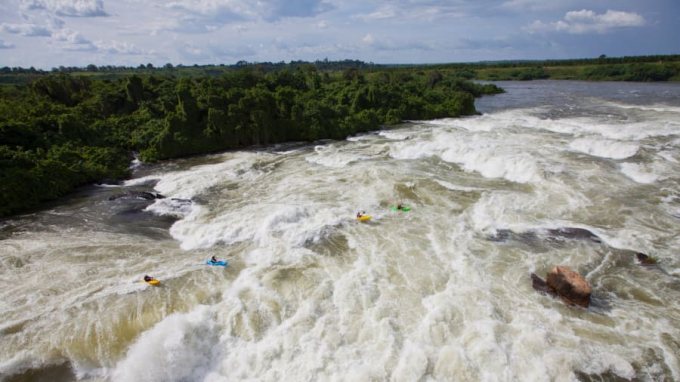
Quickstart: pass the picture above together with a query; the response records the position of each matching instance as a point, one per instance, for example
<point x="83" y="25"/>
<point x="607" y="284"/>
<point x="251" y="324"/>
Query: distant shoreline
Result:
<point x="656" y="68"/>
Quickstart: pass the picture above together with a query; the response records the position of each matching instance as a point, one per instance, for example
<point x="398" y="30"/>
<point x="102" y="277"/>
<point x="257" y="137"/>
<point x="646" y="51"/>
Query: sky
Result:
<point x="52" y="33"/>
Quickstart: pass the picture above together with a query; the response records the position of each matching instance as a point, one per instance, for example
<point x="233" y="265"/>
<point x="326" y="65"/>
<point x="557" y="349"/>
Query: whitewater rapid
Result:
<point x="438" y="293"/>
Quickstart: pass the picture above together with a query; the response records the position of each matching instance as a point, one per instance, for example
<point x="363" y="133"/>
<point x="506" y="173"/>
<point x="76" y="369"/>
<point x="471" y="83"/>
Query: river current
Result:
<point x="439" y="293"/>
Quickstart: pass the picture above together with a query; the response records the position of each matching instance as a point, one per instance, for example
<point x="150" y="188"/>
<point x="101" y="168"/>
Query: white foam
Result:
<point x="520" y="168"/>
<point x="639" y="173"/>
<point x="659" y="108"/>
<point x="189" y="183"/>
<point x="331" y="156"/>
<point x="160" y="354"/>
<point x="488" y="155"/>
<point x="605" y="148"/>
<point x="262" y="223"/>
<point x="397" y="135"/>
<point x="172" y="207"/>
<point x="669" y="156"/>
<point x="136" y="163"/>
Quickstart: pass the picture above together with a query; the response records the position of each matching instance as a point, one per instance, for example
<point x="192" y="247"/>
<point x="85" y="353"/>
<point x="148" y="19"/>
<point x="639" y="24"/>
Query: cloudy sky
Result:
<point x="50" y="33"/>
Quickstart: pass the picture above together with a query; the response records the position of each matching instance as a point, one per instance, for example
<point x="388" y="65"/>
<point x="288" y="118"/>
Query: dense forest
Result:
<point x="61" y="131"/>
<point x="633" y="68"/>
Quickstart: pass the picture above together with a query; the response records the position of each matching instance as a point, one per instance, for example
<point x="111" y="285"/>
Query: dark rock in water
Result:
<point x="569" y="285"/>
<point x="533" y="237"/>
<point x="538" y="283"/>
<point x="138" y="194"/>
<point x="501" y="235"/>
<point x="504" y="235"/>
<point x="574" y="233"/>
<point x="644" y="259"/>
<point x="182" y="201"/>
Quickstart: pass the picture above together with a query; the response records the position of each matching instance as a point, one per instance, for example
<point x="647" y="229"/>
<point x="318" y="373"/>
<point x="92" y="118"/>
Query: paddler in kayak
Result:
<point x="213" y="260"/>
<point x="148" y="278"/>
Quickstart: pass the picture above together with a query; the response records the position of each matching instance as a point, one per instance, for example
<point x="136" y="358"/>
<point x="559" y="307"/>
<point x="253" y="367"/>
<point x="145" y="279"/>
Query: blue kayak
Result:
<point x="220" y="263"/>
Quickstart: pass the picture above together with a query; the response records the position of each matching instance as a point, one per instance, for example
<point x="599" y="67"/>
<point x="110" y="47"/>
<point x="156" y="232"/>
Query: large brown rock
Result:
<point x="569" y="285"/>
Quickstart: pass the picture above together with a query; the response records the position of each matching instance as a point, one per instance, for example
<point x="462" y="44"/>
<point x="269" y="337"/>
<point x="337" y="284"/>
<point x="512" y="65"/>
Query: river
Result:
<point x="439" y="293"/>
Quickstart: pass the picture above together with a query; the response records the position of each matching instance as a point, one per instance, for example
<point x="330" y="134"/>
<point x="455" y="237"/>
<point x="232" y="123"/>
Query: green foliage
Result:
<point x="60" y="132"/>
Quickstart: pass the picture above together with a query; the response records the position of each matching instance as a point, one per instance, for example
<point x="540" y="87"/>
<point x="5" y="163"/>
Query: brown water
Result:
<point x="438" y="293"/>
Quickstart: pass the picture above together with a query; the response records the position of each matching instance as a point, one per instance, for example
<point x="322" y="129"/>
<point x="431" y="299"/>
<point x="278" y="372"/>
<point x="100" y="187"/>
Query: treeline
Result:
<point x="638" y="72"/>
<point x="63" y="131"/>
<point x="17" y="75"/>
<point x="486" y="70"/>
<point x="324" y="64"/>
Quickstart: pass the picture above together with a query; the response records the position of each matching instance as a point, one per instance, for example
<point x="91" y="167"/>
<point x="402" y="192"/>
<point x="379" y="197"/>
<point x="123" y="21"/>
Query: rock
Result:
<point x="555" y="236"/>
<point x="644" y="259"/>
<point x="138" y="194"/>
<point x="182" y="201"/>
<point x="574" y="233"/>
<point x="538" y="283"/>
<point x="569" y="285"/>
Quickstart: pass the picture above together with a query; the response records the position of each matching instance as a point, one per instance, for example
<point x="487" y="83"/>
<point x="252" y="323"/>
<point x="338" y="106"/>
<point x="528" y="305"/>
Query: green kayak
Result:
<point x="402" y="208"/>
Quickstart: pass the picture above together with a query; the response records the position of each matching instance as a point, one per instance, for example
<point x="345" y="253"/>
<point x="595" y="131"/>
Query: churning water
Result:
<point x="438" y="293"/>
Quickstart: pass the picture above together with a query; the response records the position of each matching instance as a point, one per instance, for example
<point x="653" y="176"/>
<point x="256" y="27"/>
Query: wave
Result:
<point x="605" y="148"/>
<point x="639" y="173"/>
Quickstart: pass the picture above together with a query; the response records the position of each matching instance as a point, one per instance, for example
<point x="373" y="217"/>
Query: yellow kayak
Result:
<point x="152" y="282"/>
<point x="364" y="218"/>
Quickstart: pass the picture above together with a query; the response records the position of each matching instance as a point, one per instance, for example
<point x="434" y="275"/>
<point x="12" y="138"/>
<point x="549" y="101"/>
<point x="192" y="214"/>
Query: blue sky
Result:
<point x="50" y="33"/>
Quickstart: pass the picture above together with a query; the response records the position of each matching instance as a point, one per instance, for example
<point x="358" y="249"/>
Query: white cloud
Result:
<point x="423" y="11"/>
<point x="220" y="52"/>
<point x="73" y="8"/>
<point x="71" y="40"/>
<point x="31" y="30"/>
<point x="388" y="44"/>
<point x="228" y="11"/>
<point x="534" y="5"/>
<point x="323" y="24"/>
<point x="240" y="28"/>
<point x="386" y="12"/>
<point x="586" y="21"/>
<point x="120" y="47"/>
<point x="6" y="45"/>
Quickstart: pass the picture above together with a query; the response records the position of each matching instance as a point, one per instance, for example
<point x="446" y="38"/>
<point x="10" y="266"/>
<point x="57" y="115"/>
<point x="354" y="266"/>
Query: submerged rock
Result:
<point x="574" y="233"/>
<point x="644" y="259"/>
<point x="138" y="194"/>
<point x="555" y="236"/>
<point x="539" y="284"/>
<point x="569" y="285"/>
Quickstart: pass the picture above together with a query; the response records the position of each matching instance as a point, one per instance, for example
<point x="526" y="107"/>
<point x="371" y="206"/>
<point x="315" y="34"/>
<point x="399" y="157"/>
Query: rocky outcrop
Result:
<point x="138" y="195"/>
<point x="566" y="284"/>
<point x="571" y="287"/>
<point x="539" y="284"/>
<point x="574" y="233"/>
<point x="553" y="236"/>
<point x="644" y="259"/>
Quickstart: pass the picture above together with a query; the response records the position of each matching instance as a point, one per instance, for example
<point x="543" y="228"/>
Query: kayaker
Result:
<point x="359" y="215"/>
<point x="400" y="206"/>
<point x="213" y="260"/>
<point x="148" y="278"/>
